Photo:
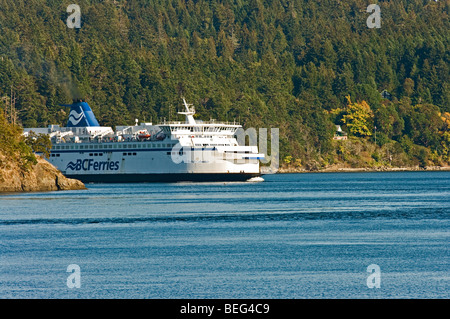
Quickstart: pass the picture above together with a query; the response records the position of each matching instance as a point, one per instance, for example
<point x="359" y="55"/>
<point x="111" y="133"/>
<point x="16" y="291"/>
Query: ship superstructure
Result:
<point x="168" y="152"/>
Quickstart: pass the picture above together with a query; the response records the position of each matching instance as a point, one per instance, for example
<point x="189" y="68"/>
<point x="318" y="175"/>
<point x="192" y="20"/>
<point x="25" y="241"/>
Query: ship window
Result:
<point x="58" y="155"/>
<point x="95" y="154"/>
<point x="134" y="146"/>
<point x="100" y="154"/>
<point x="129" y="154"/>
<point x="90" y="154"/>
<point x="134" y="154"/>
<point x="91" y="146"/>
<point x="158" y="145"/>
<point x="124" y="154"/>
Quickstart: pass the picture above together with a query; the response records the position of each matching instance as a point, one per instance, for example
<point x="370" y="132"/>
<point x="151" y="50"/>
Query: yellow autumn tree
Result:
<point x="358" y="117"/>
<point x="446" y="119"/>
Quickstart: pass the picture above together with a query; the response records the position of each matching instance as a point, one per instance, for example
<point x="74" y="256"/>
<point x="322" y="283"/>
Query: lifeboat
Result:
<point x="142" y="135"/>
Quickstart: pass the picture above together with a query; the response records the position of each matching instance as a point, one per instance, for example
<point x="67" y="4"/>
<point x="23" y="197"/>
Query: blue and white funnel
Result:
<point x="81" y="115"/>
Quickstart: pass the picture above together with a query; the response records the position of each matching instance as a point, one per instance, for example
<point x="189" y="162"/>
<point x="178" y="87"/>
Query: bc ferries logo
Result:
<point x="90" y="164"/>
<point x="75" y="117"/>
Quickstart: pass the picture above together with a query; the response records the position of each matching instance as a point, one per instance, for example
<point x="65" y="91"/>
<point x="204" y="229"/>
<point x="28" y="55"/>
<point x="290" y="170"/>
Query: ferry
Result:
<point x="192" y="150"/>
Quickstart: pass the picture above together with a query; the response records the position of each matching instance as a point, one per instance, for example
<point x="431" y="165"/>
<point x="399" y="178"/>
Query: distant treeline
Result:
<point x="302" y="66"/>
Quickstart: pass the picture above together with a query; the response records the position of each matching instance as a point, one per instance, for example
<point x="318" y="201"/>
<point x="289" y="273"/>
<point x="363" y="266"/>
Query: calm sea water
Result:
<point x="291" y="236"/>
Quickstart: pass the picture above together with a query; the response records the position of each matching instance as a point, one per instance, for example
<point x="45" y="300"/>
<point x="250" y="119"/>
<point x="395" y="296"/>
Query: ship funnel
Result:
<point x="81" y="115"/>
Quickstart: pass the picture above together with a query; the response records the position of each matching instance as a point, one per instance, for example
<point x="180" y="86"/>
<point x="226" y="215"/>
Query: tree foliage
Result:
<point x="358" y="118"/>
<point x="39" y="143"/>
<point x="13" y="147"/>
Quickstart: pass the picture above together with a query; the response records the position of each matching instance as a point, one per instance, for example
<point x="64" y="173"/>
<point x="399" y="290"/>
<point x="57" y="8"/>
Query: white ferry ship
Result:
<point x="168" y="152"/>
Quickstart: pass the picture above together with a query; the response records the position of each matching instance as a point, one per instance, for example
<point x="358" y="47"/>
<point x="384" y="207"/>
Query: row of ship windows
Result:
<point x="109" y="146"/>
<point x="212" y="144"/>
<point x="95" y="154"/>
<point x="134" y="154"/>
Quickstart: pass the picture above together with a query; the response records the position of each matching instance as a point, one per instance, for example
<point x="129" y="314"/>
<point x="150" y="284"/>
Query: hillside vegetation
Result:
<point x="301" y="66"/>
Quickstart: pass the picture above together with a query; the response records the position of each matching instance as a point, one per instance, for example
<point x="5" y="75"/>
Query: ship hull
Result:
<point x="149" y="163"/>
<point x="163" y="178"/>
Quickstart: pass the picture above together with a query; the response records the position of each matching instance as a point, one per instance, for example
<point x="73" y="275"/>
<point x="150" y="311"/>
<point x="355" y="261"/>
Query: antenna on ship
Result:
<point x="190" y="111"/>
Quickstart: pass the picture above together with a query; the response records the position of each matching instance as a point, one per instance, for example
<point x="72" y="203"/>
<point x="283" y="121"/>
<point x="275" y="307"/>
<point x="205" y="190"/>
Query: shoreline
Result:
<point x="287" y="170"/>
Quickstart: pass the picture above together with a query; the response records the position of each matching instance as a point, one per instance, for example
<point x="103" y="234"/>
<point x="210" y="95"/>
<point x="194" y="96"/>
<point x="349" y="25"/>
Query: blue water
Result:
<point x="291" y="236"/>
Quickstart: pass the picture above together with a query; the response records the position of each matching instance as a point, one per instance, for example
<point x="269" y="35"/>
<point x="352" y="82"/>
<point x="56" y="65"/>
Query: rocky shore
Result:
<point x="42" y="177"/>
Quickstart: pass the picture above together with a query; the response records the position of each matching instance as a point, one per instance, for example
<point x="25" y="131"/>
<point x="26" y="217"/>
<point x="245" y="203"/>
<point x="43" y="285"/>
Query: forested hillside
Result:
<point x="301" y="66"/>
